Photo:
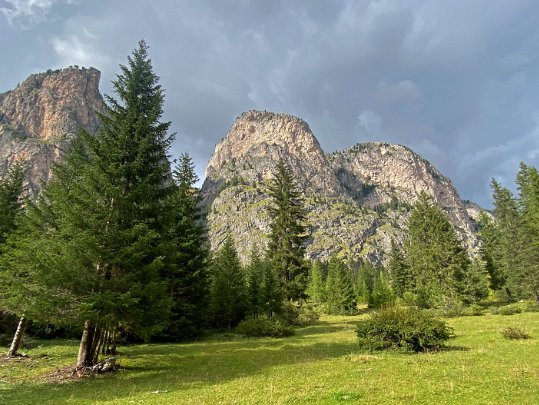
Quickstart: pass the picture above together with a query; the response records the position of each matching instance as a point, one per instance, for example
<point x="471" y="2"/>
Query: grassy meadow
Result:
<point x="321" y="364"/>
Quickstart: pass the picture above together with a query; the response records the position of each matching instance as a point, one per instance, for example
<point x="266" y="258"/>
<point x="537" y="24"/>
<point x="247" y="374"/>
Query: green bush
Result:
<point x="263" y="326"/>
<point x="515" y="333"/>
<point x="402" y="328"/>
<point x="304" y="315"/>
<point x="510" y="309"/>
<point x="473" y="310"/>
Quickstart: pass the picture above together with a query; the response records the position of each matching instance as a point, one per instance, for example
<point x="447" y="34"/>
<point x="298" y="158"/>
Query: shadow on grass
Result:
<point x="175" y="367"/>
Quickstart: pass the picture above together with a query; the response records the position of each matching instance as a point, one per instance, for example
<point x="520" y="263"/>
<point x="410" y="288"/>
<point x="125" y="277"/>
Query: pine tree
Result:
<point x="286" y="246"/>
<point x="96" y="241"/>
<point x="382" y="294"/>
<point x="474" y="286"/>
<point x="187" y="273"/>
<point x="255" y="277"/>
<point x="272" y="291"/>
<point x="490" y="252"/>
<point x="525" y="275"/>
<point x="508" y="224"/>
<point x="316" y="286"/>
<point x="11" y="199"/>
<point x="401" y="279"/>
<point x="228" y="290"/>
<point x="11" y="208"/>
<point x="339" y="288"/>
<point x="433" y="254"/>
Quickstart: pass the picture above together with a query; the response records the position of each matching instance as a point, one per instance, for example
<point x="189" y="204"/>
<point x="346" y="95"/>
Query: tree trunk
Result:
<point x="86" y="355"/>
<point x="17" y="338"/>
<point x="114" y="335"/>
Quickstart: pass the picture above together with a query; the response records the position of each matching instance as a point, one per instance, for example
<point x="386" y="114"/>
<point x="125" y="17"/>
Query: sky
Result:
<point x="457" y="81"/>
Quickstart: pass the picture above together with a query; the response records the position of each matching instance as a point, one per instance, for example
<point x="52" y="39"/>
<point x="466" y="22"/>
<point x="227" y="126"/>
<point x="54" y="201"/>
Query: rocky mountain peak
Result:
<point x="52" y="104"/>
<point x="257" y="140"/>
<point x="40" y="115"/>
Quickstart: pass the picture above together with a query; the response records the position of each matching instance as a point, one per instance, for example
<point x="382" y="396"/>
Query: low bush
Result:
<point x="515" y="333"/>
<point x="304" y="315"/>
<point x="402" y="328"/>
<point x="263" y="326"/>
<point x="510" y="309"/>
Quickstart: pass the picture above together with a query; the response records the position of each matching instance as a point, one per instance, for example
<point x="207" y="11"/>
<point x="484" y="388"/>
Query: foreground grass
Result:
<point x="321" y="364"/>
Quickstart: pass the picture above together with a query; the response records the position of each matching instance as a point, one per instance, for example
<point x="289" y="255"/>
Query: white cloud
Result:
<point x="74" y="50"/>
<point x="25" y="13"/>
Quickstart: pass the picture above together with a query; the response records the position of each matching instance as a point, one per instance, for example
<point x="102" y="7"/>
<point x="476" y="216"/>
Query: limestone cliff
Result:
<point x="38" y="118"/>
<point x="357" y="200"/>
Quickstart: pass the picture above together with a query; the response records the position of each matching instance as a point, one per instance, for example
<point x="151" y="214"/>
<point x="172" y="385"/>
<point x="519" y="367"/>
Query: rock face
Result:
<point x="38" y="118"/>
<point x="357" y="200"/>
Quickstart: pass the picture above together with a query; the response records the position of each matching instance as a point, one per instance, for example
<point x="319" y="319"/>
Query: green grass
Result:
<point x="321" y="364"/>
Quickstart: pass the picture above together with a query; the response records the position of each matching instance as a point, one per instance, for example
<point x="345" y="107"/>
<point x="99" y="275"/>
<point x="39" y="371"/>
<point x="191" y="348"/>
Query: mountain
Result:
<point x="39" y="117"/>
<point x="357" y="200"/>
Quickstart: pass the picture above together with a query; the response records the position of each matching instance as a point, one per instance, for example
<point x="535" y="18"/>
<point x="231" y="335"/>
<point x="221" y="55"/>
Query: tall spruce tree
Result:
<point x="400" y="276"/>
<point x="339" y="288"/>
<point x="316" y="288"/>
<point x="286" y="245"/>
<point x="187" y="273"/>
<point x="525" y="276"/>
<point x="96" y="241"/>
<point x="490" y="251"/>
<point x="255" y="277"/>
<point x="228" y="289"/>
<point x="433" y="255"/>
<point x="11" y="208"/>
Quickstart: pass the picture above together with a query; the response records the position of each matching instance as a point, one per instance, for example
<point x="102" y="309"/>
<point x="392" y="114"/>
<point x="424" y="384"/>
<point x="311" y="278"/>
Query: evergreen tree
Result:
<point x="525" y="275"/>
<point x="96" y="241"/>
<point x="11" y="198"/>
<point x="11" y="208"/>
<point x="272" y="291"/>
<point x="286" y="246"/>
<point x="255" y="277"/>
<point x="228" y="290"/>
<point x="381" y="294"/>
<point x="366" y="276"/>
<point x="339" y="288"/>
<point x="400" y="274"/>
<point x="491" y="254"/>
<point x="316" y="286"/>
<point x="436" y="261"/>
<point x="504" y="256"/>
<point x="474" y="286"/>
<point x="186" y="272"/>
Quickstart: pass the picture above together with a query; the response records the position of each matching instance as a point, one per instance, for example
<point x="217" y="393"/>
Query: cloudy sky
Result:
<point x="455" y="80"/>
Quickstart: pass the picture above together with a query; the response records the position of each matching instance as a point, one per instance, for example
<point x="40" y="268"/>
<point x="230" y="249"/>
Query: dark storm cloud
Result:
<point x="455" y="81"/>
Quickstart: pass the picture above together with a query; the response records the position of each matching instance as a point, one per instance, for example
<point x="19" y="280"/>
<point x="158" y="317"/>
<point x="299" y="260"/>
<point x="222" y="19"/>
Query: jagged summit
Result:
<point x="39" y="116"/>
<point x="257" y="140"/>
<point x="358" y="199"/>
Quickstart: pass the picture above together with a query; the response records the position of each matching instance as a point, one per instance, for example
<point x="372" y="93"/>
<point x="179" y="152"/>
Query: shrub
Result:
<point x="307" y="316"/>
<point x="511" y="309"/>
<point x="403" y="328"/>
<point x="473" y="310"/>
<point x="299" y="315"/>
<point x="515" y="333"/>
<point x="263" y="326"/>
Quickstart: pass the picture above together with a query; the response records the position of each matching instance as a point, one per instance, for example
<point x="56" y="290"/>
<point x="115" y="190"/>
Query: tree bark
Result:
<point x="85" y="357"/>
<point x="17" y="338"/>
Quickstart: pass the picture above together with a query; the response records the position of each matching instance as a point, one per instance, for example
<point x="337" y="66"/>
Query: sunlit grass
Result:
<point x="321" y="364"/>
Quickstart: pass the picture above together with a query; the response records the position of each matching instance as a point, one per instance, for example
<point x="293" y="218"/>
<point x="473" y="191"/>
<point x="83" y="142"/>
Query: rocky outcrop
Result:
<point x="392" y="175"/>
<point x="357" y="200"/>
<point x="38" y="118"/>
<point x="259" y="139"/>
